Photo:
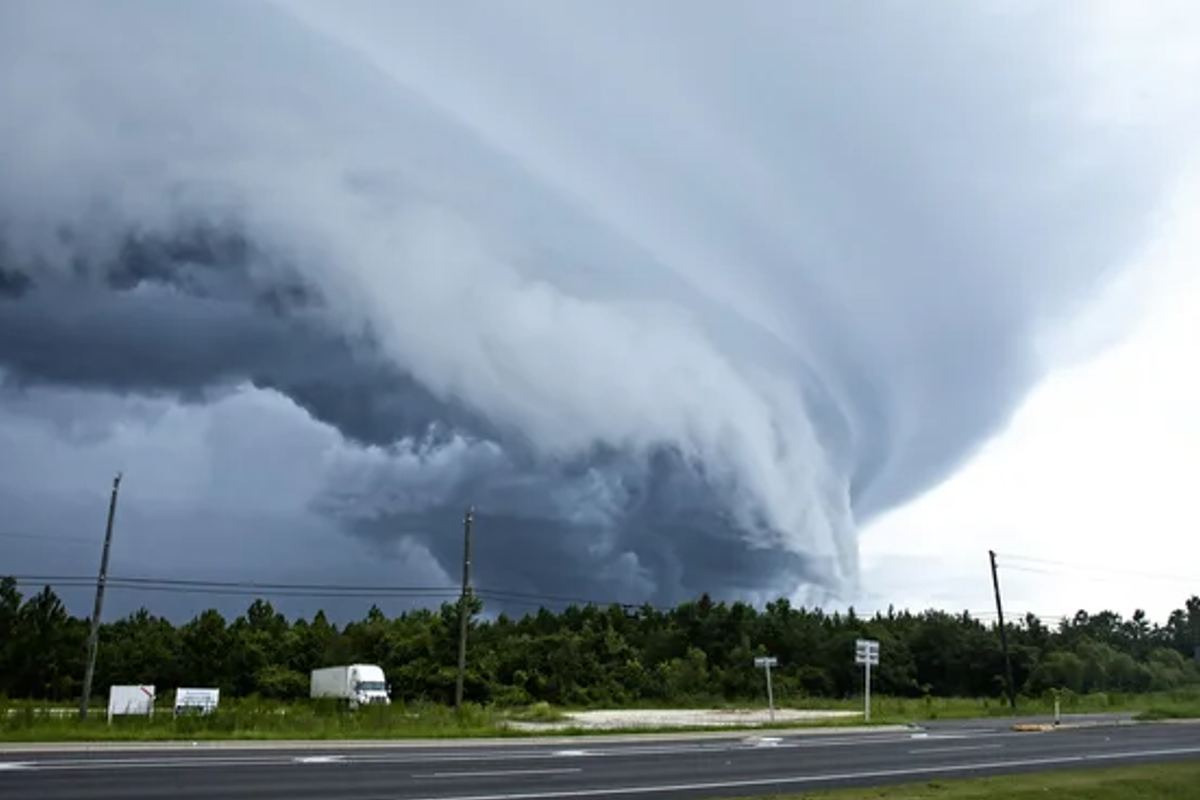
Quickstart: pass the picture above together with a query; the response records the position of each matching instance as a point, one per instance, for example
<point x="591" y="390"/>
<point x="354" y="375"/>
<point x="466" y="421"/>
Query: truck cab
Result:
<point x="368" y="686"/>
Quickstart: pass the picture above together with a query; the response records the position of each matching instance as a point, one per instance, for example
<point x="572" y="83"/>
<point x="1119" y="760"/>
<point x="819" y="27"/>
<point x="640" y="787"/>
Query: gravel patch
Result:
<point x="677" y="718"/>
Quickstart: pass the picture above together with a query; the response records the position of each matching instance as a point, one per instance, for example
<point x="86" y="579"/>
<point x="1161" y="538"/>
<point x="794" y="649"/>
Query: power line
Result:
<point x="506" y="594"/>
<point x="1083" y="576"/>
<point x="319" y="587"/>
<point x="215" y="586"/>
<point x="262" y="593"/>
<point x="1021" y="614"/>
<point x="548" y="602"/>
<point x="1044" y="565"/>
<point x="134" y="581"/>
<point x="38" y="537"/>
<point x="265" y="590"/>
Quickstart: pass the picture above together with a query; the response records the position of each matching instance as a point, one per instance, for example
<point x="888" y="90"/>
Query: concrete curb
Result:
<point x="1047" y="727"/>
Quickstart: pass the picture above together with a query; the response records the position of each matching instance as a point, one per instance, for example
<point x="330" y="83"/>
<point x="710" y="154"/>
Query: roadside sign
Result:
<point x="866" y="651"/>
<point x="766" y="662"/>
<point x="130" y="700"/>
<point x="203" y="701"/>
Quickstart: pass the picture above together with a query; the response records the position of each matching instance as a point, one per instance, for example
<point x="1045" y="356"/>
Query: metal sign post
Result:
<point x="766" y="662"/>
<point x="866" y="652"/>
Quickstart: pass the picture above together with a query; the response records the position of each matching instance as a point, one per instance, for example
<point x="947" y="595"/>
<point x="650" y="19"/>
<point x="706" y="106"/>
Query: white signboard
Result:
<point x="203" y="701"/>
<point x="124" y="700"/>
<point x="866" y="651"/>
<point x="766" y="661"/>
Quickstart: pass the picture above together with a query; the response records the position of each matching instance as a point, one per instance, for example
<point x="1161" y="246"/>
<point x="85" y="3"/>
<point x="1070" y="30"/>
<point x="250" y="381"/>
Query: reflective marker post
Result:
<point x="866" y="652"/>
<point x="766" y="662"/>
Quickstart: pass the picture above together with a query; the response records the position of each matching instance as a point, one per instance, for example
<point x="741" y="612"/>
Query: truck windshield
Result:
<point x="372" y="686"/>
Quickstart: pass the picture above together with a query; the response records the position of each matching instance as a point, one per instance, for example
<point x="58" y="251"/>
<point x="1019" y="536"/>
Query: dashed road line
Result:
<point x="833" y="777"/>
<point x="500" y="773"/>
<point x="965" y="748"/>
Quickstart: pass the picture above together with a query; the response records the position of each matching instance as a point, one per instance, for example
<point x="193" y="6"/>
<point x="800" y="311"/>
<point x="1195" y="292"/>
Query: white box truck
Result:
<point x="357" y="684"/>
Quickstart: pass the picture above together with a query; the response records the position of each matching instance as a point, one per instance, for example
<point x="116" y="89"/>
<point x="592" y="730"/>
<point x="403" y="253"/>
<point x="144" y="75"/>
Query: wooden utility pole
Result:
<point x="94" y="634"/>
<point x="463" y="610"/>
<point x="1008" y="673"/>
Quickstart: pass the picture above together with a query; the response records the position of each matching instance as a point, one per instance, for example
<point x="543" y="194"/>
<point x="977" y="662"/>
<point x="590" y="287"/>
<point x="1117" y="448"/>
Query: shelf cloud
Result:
<point x="677" y="298"/>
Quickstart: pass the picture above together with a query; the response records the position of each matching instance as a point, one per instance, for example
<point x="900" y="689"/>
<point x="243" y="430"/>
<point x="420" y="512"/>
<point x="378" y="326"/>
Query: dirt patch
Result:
<point x="675" y="718"/>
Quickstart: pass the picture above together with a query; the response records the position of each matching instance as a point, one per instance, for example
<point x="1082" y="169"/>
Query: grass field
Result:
<point x="250" y="718"/>
<point x="1157" y="782"/>
<point x="255" y="719"/>
<point x="1160" y="705"/>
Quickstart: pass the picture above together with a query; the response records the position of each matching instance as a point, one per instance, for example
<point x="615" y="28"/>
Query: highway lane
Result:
<point x="664" y="768"/>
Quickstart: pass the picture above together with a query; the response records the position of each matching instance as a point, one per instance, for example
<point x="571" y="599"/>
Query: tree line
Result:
<point x="596" y="656"/>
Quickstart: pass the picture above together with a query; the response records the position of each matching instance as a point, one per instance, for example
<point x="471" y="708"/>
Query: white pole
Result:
<point x="867" y="713"/>
<point x="770" y="694"/>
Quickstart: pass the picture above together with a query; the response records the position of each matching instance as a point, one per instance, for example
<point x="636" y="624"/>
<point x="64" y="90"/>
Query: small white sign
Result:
<point x="130" y="700"/>
<point x="766" y="661"/>
<point x="866" y="651"/>
<point x="203" y="701"/>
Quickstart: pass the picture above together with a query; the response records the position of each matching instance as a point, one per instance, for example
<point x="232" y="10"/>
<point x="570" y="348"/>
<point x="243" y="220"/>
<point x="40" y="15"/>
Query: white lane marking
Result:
<point x="827" y="777"/>
<point x="262" y="759"/>
<point x="319" y="759"/>
<point x="500" y="773"/>
<point x="15" y="765"/>
<point x="87" y="764"/>
<point x="959" y="749"/>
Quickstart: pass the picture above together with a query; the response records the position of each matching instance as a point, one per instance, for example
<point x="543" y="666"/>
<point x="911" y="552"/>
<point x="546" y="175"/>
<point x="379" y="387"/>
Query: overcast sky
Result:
<point x="815" y="301"/>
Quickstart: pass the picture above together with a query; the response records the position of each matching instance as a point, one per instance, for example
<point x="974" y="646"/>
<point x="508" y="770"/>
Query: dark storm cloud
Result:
<point x="197" y="310"/>
<point x="677" y="304"/>
<point x="654" y="533"/>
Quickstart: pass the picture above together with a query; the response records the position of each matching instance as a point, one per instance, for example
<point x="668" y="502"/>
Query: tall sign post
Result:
<point x="766" y="662"/>
<point x="866" y="652"/>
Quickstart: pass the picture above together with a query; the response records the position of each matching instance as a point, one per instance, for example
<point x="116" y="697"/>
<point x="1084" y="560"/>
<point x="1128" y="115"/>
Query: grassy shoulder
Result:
<point x="1181" y="708"/>
<point x="903" y="710"/>
<point x="250" y="718"/>
<point x="1154" y="782"/>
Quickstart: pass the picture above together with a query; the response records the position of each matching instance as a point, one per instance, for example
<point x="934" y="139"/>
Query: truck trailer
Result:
<point x="357" y="684"/>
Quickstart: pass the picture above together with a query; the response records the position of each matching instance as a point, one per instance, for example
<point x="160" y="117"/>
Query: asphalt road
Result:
<point x="681" y="767"/>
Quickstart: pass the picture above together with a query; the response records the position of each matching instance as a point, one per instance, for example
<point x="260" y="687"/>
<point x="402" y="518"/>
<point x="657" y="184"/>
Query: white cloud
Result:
<point x="1097" y="470"/>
